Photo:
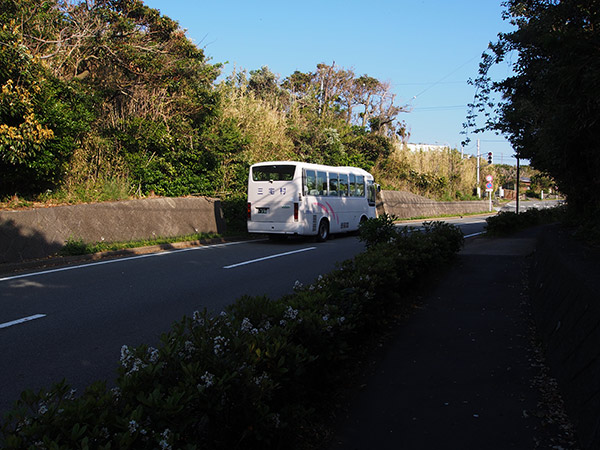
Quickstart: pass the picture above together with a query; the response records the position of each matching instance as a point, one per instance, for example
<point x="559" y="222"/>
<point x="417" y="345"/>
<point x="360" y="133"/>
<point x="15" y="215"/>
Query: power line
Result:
<point x="444" y="77"/>
<point x="439" y="108"/>
<point x="428" y="83"/>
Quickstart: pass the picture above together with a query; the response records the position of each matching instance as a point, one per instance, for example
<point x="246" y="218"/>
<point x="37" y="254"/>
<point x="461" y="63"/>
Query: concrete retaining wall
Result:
<point x="40" y="232"/>
<point x="564" y="282"/>
<point x="405" y="205"/>
<point x="37" y="233"/>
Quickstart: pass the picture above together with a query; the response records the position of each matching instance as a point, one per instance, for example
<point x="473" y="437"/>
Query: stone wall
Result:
<point x="405" y="205"/>
<point x="39" y="232"/>
<point x="564" y="285"/>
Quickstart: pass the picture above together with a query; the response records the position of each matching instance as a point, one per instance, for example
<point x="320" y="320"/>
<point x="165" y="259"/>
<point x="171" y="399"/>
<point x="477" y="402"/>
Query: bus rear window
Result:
<point x="273" y="173"/>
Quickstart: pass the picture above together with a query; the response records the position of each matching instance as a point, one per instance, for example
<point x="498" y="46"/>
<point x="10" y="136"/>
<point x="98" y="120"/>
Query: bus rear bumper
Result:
<point x="275" y="228"/>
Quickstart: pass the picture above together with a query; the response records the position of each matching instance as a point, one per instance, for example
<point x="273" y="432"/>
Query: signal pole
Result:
<point x="518" y="182"/>
<point x="478" y="187"/>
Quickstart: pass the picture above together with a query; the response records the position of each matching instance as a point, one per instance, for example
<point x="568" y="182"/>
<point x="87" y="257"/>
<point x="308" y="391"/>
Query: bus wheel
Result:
<point x="323" y="231"/>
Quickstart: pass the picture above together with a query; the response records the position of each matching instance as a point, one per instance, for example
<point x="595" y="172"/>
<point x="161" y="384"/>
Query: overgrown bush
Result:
<point x="249" y="377"/>
<point x="380" y="229"/>
<point x="507" y="222"/>
<point x="235" y="212"/>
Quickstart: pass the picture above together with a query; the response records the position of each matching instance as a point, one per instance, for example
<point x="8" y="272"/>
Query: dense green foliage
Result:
<point x="551" y="105"/>
<point x="251" y="377"/>
<point x="93" y="91"/>
<point x="505" y="223"/>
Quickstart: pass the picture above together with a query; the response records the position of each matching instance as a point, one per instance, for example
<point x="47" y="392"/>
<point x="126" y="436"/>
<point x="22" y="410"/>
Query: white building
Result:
<point x="426" y="147"/>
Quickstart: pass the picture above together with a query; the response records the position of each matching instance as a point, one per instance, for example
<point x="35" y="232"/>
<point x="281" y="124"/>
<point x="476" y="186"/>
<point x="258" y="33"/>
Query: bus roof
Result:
<point x="314" y="166"/>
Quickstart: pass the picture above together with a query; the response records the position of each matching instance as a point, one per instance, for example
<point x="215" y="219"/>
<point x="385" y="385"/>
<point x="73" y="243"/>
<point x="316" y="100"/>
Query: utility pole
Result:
<point x="478" y="187"/>
<point x="518" y="182"/>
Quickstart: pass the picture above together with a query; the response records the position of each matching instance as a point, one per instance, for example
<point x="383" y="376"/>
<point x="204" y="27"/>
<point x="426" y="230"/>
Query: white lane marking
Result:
<point x="23" y="320"/>
<point x="268" y="257"/>
<point x="112" y="261"/>
<point x="474" y="234"/>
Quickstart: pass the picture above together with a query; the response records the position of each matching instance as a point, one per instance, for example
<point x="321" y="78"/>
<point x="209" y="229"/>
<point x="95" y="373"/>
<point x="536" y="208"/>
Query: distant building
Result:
<point x="426" y="147"/>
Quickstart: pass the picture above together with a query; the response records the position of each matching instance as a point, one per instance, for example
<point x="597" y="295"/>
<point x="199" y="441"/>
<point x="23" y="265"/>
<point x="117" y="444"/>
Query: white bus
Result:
<point x="286" y="197"/>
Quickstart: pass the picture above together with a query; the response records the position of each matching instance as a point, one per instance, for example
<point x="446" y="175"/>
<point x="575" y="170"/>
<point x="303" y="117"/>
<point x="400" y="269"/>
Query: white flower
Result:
<point x="129" y="362"/>
<point x="164" y="442"/>
<point x="297" y="285"/>
<point x="208" y="379"/>
<point x="325" y="317"/>
<point x="43" y="409"/>
<point x="290" y="313"/>
<point x="137" y="365"/>
<point x="153" y="354"/>
<point x="133" y="426"/>
<point x="246" y="325"/>
<point x="125" y="355"/>
<point x="219" y="343"/>
<point x="258" y="380"/>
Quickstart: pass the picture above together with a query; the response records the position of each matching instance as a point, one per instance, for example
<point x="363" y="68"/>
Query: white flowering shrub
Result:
<point x="245" y="378"/>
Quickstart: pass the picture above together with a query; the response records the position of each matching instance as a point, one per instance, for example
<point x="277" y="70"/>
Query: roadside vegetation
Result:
<point x="110" y="100"/>
<point x="78" y="247"/>
<point x="547" y="107"/>
<point x="505" y="223"/>
<point x="259" y="375"/>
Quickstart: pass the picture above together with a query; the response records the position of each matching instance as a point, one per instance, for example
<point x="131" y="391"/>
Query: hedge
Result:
<point x="507" y="222"/>
<point x="248" y="377"/>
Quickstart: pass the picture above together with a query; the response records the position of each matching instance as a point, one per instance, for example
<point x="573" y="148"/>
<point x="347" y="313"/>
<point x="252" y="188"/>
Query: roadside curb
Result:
<point x="59" y="261"/>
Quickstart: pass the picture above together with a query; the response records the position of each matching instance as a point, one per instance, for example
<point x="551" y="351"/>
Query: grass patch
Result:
<point x="442" y="216"/>
<point x="79" y="247"/>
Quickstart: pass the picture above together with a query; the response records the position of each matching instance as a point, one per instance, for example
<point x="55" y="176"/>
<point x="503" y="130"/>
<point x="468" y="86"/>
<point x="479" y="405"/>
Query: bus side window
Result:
<point x="360" y="186"/>
<point x="311" y="183"/>
<point x="352" y="185"/>
<point x="322" y="183"/>
<point x="343" y="185"/>
<point x="371" y="192"/>
<point x="333" y="184"/>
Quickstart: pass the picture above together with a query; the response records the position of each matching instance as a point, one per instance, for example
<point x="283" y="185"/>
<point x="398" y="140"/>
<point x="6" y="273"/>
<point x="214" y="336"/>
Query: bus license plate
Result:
<point x="263" y="210"/>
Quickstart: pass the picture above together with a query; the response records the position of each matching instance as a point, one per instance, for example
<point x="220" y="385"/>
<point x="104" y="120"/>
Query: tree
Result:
<point x="39" y="117"/>
<point x="550" y="107"/>
<point x="112" y="79"/>
<point x="264" y="83"/>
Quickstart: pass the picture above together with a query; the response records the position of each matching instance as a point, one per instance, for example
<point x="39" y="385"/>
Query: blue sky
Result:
<point x="426" y="49"/>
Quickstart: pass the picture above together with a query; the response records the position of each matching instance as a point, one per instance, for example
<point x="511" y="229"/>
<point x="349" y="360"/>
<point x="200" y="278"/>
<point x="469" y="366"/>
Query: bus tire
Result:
<point x="323" y="231"/>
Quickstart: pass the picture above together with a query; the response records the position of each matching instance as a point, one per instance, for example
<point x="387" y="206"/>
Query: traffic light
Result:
<point x="490" y="157"/>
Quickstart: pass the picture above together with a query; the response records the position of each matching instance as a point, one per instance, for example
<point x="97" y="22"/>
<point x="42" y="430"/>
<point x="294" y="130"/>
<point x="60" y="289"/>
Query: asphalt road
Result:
<point x="71" y="322"/>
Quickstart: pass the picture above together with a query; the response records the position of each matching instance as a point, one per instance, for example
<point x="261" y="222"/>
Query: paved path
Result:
<point x="457" y="374"/>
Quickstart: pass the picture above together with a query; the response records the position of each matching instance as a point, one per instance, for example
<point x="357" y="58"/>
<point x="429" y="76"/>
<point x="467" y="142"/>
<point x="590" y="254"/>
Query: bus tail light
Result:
<point x="295" y="212"/>
<point x="249" y="211"/>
